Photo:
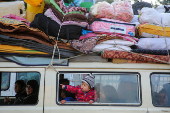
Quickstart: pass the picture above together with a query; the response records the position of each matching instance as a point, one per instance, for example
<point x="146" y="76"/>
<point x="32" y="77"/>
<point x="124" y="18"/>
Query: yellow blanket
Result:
<point x="19" y="49"/>
<point x="153" y="29"/>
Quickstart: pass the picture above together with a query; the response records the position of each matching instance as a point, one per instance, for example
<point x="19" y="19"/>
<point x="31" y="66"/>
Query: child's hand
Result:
<point x="63" y="86"/>
<point x="63" y="101"/>
<point x="91" y="101"/>
<point x="6" y="99"/>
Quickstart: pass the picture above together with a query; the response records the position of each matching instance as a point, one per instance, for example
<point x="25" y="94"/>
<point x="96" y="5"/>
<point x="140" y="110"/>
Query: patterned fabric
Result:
<point x="15" y="17"/>
<point x="71" y="9"/>
<point x="61" y="5"/>
<point x="10" y="21"/>
<point x="123" y="11"/>
<point x="80" y="95"/>
<point x="85" y="45"/>
<point x="87" y="36"/>
<point x="51" y="15"/>
<point x="77" y="17"/>
<point x="133" y="56"/>
<point x="101" y="10"/>
<point x="116" y="36"/>
<point x="153" y="52"/>
<point x="81" y="9"/>
<point x="108" y="26"/>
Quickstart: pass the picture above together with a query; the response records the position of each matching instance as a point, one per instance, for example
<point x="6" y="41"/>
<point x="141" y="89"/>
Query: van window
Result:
<point x="22" y="88"/>
<point x="5" y="81"/>
<point x="160" y="89"/>
<point x="111" y="88"/>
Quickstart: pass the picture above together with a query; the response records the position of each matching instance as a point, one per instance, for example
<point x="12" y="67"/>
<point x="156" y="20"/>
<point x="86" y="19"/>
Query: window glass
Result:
<point x="121" y="89"/>
<point x="117" y="88"/>
<point x="5" y="81"/>
<point x="28" y="76"/>
<point x="160" y="89"/>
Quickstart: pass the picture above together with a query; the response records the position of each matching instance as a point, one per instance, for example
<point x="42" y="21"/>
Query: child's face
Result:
<point x="85" y="87"/>
<point x="17" y="88"/>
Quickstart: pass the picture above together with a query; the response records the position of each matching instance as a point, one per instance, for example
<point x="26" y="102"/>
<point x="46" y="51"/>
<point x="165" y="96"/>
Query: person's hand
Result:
<point x="63" y="86"/>
<point x="91" y="101"/>
<point x="63" y="101"/>
<point x="6" y="100"/>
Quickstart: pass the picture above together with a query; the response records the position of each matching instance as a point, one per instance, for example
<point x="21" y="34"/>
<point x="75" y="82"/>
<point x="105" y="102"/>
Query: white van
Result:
<point x="128" y="87"/>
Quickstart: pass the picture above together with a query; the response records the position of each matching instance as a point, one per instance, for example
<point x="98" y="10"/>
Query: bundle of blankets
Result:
<point x="111" y="30"/>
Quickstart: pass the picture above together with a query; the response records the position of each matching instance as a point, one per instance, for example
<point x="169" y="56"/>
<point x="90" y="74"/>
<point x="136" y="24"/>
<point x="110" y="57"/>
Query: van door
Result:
<point x="29" y="102"/>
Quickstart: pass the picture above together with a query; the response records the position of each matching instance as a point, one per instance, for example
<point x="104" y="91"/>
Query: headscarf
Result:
<point x="34" y="85"/>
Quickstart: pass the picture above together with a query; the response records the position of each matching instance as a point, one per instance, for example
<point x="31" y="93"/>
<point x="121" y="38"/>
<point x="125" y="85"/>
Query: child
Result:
<point x="20" y="92"/>
<point x="66" y="96"/>
<point x="85" y="92"/>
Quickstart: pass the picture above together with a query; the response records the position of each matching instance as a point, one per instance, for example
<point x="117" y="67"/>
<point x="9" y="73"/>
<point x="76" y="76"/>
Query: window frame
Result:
<point x="152" y="88"/>
<point x="95" y="103"/>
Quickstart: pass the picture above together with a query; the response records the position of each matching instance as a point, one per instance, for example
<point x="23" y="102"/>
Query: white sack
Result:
<point x="135" y="19"/>
<point x="12" y="8"/>
<point x="161" y="9"/>
<point x="101" y="47"/>
<point x="165" y="19"/>
<point x="150" y="16"/>
<point x="153" y="43"/>
<point x="118" y="42"/>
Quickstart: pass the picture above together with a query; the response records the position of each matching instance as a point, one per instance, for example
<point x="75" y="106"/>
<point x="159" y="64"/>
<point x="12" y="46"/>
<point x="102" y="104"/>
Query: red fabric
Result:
<point x="80" y="95"/>
<point x="133" y="56"/>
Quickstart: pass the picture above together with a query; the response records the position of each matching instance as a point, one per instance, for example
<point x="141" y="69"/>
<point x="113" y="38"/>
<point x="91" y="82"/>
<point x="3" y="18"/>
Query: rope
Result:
<point x="51" y="64"/>
<point x="166" y="43"/>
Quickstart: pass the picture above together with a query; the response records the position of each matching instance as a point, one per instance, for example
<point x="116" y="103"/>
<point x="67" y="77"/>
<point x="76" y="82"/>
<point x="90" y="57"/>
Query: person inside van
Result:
<point x="66" y="96"/>
<point x="32" y="89"/>
<point x="20" y="93"/>
<point x="109" y="94"/>
<point x="85" y="92"/>
<point x="162" y="98"/>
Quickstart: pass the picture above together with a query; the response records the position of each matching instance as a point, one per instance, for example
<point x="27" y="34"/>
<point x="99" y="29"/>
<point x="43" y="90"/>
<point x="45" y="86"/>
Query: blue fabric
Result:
<point x="35" y="61"/>
<point x="67" y="99"/>
<point x="84" y="32"/>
